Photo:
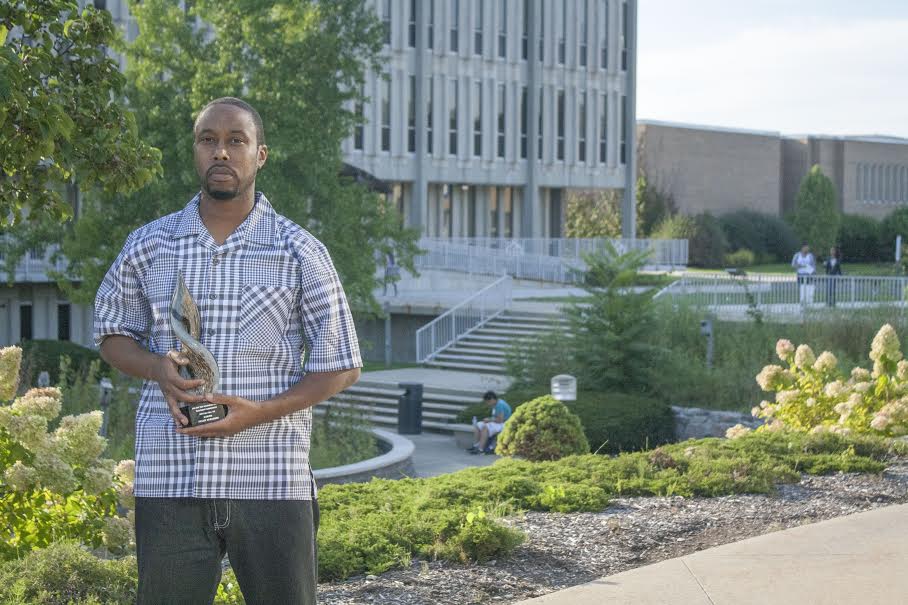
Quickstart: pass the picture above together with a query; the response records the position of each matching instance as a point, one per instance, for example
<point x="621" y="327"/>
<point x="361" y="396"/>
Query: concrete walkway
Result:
<point x="854" y="560"/>
<point x="473" y="382"/>
<point x="436" y="454"/>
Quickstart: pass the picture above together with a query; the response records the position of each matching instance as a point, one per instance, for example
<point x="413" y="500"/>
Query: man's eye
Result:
<point x="206" y="140"/>
<point x="237" y="141"/>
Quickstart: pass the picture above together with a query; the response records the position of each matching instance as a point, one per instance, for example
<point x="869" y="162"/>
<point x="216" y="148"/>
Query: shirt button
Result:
<point x="212" y="296"/>
<point x="211" y="331"/>
<point x="215" y="261"/>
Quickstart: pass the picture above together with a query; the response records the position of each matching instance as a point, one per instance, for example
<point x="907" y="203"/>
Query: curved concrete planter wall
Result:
<point x="395" y="463"/>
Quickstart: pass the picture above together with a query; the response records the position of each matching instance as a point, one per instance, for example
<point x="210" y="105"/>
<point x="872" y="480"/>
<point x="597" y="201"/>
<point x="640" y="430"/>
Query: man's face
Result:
<point x="227" y="153"/>
<point x="489" y="402"/>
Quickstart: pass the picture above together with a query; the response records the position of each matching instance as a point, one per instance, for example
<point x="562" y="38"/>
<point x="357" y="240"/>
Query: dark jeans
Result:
<point x="270" y="543"/>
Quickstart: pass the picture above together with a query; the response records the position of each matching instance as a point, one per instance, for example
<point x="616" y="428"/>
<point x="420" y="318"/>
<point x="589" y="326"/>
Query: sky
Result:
<point x="834" y="67"/>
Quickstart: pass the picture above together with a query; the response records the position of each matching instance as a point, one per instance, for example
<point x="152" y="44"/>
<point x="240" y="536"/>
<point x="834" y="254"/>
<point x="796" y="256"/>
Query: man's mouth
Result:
<point x="220" y="174"/>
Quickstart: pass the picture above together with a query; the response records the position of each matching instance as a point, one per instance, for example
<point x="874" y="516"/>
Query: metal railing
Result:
<point x="786" y="294"/>
<point x="34" y="266"/>
<point x="457" y="322"/>
<point x="479" y="260"/>
<point x="663" y="252"/>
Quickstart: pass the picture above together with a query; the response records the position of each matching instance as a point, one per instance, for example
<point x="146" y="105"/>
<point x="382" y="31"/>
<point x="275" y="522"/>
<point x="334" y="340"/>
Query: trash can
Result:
<point x="409" y="409"/>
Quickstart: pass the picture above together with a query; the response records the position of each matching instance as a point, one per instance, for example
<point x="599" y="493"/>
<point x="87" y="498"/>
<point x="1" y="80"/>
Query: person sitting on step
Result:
<point x="486" y="430"/>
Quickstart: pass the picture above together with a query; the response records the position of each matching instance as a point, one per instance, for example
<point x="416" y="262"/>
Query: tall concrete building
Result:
<point x="489" y="109"/>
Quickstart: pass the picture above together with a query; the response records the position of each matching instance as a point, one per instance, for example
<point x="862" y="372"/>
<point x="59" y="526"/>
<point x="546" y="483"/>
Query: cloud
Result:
<point x="819" y="77"/>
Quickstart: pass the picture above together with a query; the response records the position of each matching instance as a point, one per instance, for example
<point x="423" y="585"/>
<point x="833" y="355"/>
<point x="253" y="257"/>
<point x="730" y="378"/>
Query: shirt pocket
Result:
<point x="265" y="314"/>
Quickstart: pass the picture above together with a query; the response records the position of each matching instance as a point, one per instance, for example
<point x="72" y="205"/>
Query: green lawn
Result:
<point x="784" y="268"/>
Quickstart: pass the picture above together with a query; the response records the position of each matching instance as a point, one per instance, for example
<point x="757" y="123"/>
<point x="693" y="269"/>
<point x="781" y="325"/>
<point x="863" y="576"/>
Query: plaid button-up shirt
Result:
<point x="268" y="294"/>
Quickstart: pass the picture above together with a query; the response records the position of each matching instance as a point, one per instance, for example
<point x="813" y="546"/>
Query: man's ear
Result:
<point x="262" y="155"/>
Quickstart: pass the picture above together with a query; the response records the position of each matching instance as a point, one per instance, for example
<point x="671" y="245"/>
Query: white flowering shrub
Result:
<point x="812" y="393"/>
<point x="55" y="484"/>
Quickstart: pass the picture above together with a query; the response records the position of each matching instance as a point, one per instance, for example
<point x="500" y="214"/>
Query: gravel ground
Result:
<point x="563" y="550"/>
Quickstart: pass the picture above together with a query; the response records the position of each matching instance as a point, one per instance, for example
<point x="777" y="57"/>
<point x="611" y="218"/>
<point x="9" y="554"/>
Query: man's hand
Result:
<point x="165" y="371"/>
<point x="241" y="414"/>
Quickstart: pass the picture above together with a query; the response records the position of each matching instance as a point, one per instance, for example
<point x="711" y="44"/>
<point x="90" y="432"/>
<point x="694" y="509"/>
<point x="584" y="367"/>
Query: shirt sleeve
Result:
<point x="120" y="305"/>
<point x="328" y="330"/>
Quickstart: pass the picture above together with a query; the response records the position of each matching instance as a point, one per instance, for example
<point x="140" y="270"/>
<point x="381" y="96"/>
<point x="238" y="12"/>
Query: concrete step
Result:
<point x="504" y="331"/>
<point x="489" y="345"/>
<point x="449" y="355"/>
<point x="463" y="349"/>
<point x="393" y="403"/>
<point x="532" y="317"/>
<point x="518" y="325"/>
<point x="379" y="410"/>
<point x="431" y="394"/>
<point x="485" y="368"/>
<point x="437" y="425"/>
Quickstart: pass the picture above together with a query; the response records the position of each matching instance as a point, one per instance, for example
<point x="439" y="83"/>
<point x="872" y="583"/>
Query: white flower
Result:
<point x="769" y="377"/>
<point x="880" y="422"/>
<point x="862" y="387"/>
<point x="756" y="410"/>
<point x="886" y="344"/>
<point x="739" y="430"/>
<point x="804" y="357"/>
<point x="785" y="397"/>
<point x="10" y="360"/>
<point x="78" y="438"/>
<point x="860" y="375"/>
<point x="826" y="362"/>
<point x="834" y="389"/>
<point x="784" y="349"/>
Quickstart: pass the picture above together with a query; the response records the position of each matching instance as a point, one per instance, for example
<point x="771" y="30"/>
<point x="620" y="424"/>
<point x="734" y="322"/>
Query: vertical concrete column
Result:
<point x="629" y="202"/>
<point x="531" y="189"/>
<point x="419" y="203"/>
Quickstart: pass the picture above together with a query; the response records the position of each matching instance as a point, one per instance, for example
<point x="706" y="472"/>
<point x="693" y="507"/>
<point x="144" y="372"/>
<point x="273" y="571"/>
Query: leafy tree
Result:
<point x="654" y="206"/>
<point x="706" y="240"/>
<point x="816" y="215"/>
<point x="301" y="63"/>
<point x="62" y="114"/>
<point x="593" y="214"/>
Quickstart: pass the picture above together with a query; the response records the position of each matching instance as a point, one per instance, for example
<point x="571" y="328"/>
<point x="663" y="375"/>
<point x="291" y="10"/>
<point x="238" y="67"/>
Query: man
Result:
<point x="267" y="291"/>
<point x="491" y="426"/>
<point x="804" y="264"/>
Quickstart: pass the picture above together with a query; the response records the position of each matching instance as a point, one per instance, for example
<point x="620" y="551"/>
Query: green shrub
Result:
<point x="45" y="356"/>
<point x="741" y="258"/>
<point x="895" y="224"/>
<point x="816" y="215"/>
<point x="615" y="422"/>
<point x="859" y="239"/>
<point x="769" y="237"/>
<point x="707" y="245"/>
<point x="65" y="573"/>
<point x="542" y="429"/>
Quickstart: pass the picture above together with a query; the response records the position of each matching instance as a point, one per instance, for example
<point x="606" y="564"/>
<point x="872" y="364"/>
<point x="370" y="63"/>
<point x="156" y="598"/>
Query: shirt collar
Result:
<point x="258" y="226"/>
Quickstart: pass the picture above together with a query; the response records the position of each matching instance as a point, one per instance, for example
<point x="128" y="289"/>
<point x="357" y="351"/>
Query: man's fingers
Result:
<point x="177" y="357"/>
<point x="187" y="384"/>
<point x="178" y="416"/>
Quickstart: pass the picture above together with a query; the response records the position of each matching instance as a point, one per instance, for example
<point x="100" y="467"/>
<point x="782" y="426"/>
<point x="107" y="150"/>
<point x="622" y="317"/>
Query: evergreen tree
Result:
<point x="816" y="217"/>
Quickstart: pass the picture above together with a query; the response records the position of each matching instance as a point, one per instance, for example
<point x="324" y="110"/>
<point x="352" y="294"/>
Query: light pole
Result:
<point x="106" y="389"/>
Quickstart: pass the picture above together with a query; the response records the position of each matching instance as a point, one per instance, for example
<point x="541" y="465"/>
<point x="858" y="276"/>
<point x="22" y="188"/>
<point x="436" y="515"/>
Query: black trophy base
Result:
<point x="204" y="413"/>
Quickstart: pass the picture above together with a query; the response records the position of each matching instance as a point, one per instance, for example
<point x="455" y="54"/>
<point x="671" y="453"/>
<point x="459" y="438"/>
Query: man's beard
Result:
<point x="221" y="194"/>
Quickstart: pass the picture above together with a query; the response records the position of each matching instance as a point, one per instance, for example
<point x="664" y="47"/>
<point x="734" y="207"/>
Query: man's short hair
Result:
<point x="490" y="395"/>
<point x="256" y="118"/>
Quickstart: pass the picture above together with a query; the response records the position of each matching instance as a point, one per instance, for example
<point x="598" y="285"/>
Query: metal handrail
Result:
<point x="463" y="318"/>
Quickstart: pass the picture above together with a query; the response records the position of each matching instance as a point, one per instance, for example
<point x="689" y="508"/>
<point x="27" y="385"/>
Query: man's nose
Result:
<point x="220" y="152"/>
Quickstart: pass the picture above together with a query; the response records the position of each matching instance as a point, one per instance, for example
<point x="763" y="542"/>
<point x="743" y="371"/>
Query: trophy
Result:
<point x="186" y="322"/>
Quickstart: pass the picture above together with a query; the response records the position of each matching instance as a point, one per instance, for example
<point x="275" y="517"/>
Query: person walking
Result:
<point x="267" y="292"/>
<point x="805" y="266"/>
<point x="833" y="266"/>
<point x="392" y="272"/>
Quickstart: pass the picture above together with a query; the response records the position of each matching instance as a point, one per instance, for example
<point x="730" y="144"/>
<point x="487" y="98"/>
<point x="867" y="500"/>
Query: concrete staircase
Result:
<point x="378" y="402"/>
<point x="485" y="349"/>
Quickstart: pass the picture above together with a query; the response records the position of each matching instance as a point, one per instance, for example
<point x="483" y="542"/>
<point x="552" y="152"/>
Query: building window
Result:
<point x="411" y="116"/>
<point x="455" y="20"/>
<point x="559" y="116"/>
<point x="386" y="114"/>
<point x="524" y="123"/>
<point x="603" y="129"/>
<point x="477" y="27"/>
<point x="411" y="25"/>
<point x="603" y="7"/>
<point x="476" y="103"/>
<point x="581" y="129"/>
<point x="452" y="119"/>
<point x="624" y="26"/>
<point x="506" y="200"/>
<point x="430" y="26"/>
<point x="562" y="38"/>
<point x="63" y="322"/>
<point x="100" y="4"/>
<point x="430" y="92"/>
<point x="494" y="222"/>
<point x="501" y="99"/>
<point x="541" y="27"/>
<point x="525" y="37"/>
<point x="359" y="130"/>
<point x="539" y="134"/>
<point x="386" y="20"/>
<point x="623" y="129"/>
<point x="471" y="211"/>
<point x="503" y="29"/>
<point x="25" y="322"/>
<point x="582" y="24"/>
